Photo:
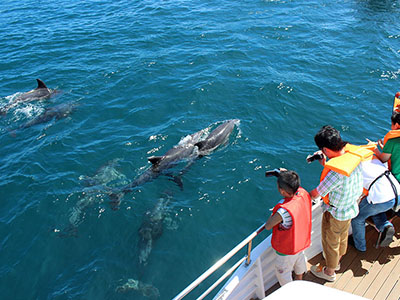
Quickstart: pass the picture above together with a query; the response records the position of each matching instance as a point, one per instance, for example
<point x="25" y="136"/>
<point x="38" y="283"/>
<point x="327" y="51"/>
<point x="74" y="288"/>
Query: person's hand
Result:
<point x="380" y="143"/>
<point x="371" y="142"/>
<point x="323" y="159"/>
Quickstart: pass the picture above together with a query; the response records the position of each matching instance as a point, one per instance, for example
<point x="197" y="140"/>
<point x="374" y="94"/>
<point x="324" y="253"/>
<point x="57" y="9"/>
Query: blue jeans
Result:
<point x="377" y="211"/>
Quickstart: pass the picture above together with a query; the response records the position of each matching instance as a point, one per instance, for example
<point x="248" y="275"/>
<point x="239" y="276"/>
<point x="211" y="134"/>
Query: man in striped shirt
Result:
<point x="344" y="191"/>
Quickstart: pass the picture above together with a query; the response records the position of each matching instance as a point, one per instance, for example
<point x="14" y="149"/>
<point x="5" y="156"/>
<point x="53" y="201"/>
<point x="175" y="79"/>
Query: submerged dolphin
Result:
<point x="185" y="150"/>
<point x="39" y="93"/>
<point x="151" y="228"/>
<point x="58" y="112"/>
<point x="105" y="178"/>
<point x="147" y="290"/>
<point x="217" y="137"/>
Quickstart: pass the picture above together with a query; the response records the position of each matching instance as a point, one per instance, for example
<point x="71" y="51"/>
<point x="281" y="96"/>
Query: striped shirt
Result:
<point x="287" y="220"/>
<point x="343" y="193"/>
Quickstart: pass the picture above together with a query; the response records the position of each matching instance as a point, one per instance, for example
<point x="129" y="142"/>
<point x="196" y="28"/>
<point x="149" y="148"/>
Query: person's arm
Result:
<point x="314" y="194"/>
<point x="273" y="220"/>
<point x="383" y="157"/>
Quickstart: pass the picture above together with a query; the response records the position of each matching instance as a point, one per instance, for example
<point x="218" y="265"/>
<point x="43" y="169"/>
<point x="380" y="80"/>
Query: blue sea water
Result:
<point x="145" y="74"/>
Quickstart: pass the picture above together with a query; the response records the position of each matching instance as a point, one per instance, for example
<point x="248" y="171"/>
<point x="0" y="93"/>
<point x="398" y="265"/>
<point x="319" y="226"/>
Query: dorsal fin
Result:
<point x="155" y="159"/>
<point x="200" y="144"/>
<point x="41" y="84"/>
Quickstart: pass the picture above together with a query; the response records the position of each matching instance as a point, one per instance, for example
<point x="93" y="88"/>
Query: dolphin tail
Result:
<point x="41" y="84"/>
<point x="178" y="181"/>
<point x="115" y="200"/>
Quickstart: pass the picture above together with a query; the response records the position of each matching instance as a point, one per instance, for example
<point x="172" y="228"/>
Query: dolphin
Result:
<point x="217" y="137"/>
<point x="39" y="93"/>
<point x="147" y="290"/>
<point x="185" y="150"/>
<point x="58" y="112"/>
<point x="151" y="228"/>
<point x="106" y="177"/>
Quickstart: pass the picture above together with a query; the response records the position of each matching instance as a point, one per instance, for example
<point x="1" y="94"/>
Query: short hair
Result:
<point x="289" y="181"/>
<point x="330" y="138"/>
<point x="395" y="118"/>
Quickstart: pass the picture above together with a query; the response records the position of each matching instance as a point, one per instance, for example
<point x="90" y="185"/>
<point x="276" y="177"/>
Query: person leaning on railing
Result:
<point x="381" y="191"/>
<point x="291" y="227"/>
<point x="344" y="188"/>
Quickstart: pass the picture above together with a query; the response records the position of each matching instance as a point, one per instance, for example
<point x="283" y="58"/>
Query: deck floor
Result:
<point x="374" y="274"/>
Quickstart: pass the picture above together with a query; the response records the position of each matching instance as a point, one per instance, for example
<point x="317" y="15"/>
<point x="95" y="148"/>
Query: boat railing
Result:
<point x="247" y="241"/>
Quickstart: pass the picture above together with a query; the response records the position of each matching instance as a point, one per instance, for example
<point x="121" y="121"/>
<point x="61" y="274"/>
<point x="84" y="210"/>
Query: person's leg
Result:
<point x="333" y="236"/>
<point x="379" y="217"/>
<point x="320" y="270"/>
<point x="283" y="271"/>
<point x="344" y="227"/>
<point x="358" y="224"/>
<point x="324" y="230"/>
<point x="300" y="266"/>
<point x="381" y="222"/>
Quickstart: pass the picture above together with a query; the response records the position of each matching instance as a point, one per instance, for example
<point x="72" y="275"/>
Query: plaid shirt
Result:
<point x="343" y="193"/>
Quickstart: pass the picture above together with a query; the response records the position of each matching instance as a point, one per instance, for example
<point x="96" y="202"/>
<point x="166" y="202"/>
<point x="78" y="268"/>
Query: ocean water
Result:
<point x="145" y="74"/>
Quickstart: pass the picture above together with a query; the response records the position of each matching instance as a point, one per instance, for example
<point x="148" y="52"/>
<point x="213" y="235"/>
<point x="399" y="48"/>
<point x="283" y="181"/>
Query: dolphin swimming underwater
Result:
<point x="217" y="137"/>
<point x="39" y="93"/>
<point x="146" y="289"/>
<point x="58" y="112"/>
<point x="105" y="178"/>
<point x="152" y="228"/>
<point x="185" y="150"/>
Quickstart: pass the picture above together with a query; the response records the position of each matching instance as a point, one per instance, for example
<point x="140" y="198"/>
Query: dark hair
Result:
<point x="330" y="138"/>
<point x="289" y="181"/>
<point x="395" y="118"/>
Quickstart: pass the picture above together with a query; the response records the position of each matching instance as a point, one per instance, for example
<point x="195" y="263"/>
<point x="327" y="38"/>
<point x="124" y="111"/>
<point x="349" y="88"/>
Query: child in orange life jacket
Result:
<point x="291" y="227"/>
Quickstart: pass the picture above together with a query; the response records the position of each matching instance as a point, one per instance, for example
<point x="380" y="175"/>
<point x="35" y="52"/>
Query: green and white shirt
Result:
<point x="344" y="192"/>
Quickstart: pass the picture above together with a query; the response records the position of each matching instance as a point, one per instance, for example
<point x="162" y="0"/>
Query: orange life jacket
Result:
<point x="392" y="134"/>
<point x="346" y="163"/>
<point x="298" y="237"/>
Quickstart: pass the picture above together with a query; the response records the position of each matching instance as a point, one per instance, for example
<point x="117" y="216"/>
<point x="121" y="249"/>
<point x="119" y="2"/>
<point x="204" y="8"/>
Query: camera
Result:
<point x="274" y="172"/>
<point x="317" y="156"/>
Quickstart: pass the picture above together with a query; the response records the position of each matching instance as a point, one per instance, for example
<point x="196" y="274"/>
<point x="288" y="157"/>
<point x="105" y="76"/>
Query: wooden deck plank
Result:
<point x="391" y="279"/>
<point x="362" y="262"/>
<point x="395" y="292"/>
<point x="373" y="280"/>
<point x="382" y="276"/>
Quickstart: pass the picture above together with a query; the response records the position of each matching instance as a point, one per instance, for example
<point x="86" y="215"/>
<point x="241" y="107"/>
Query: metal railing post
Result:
<point x="248" y="260"/>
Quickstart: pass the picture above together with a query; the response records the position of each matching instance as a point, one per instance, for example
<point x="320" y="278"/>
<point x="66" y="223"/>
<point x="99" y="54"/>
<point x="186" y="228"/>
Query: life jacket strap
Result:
<point x="387" y="175"/>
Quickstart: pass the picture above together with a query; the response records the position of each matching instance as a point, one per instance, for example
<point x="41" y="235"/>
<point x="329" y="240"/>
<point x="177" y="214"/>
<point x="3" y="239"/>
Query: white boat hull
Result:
<point x="252" y="281"/>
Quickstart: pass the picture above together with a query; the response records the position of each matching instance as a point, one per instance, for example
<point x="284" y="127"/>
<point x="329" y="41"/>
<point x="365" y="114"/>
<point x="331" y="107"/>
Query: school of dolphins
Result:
<point x="110" y="181"/>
